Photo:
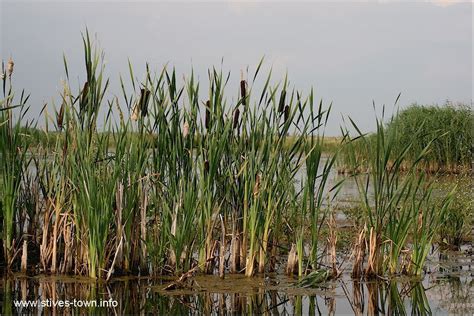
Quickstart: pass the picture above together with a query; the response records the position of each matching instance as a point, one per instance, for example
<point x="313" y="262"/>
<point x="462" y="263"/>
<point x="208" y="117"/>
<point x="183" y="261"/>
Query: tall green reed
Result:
<point x="392" y="200"/>
<point x="14" y="146"/>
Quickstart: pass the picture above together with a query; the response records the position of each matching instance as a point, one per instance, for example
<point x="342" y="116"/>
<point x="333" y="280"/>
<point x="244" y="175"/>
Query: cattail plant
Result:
<point x="13" y="166"/>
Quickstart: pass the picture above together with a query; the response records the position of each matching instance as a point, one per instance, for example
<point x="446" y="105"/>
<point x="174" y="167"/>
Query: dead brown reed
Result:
<point x="10" y="66"/>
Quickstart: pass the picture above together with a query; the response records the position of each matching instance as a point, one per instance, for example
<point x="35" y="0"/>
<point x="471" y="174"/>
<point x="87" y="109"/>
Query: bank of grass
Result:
<point x="451" y="128"/>
<point x="47" y="139"/>
<point x="448" y="129"/>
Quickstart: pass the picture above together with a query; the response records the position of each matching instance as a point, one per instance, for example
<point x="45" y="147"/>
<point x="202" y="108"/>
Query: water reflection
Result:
<point x="145" y="296"/>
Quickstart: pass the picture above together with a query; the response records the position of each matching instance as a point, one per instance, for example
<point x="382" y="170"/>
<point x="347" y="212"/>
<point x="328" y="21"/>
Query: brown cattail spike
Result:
<point x="243" y="92"/>
<point x="144" y="98"/>
<point x="60" y="117"/>
<point x="236" y="118"/>
<point x="281" y="104"/>
<point x="207" y="118"/>
<point x="287" y="113"/>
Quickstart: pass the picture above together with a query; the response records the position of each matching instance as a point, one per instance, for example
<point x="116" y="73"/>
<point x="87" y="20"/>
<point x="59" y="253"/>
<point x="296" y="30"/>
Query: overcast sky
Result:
<point x="350" y="52"/>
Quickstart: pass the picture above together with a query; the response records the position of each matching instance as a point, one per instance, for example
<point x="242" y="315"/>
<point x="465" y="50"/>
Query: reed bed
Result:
<point x="177" y="181"/>
<point x="400" y="214"/>
<point x="182" y="181"/>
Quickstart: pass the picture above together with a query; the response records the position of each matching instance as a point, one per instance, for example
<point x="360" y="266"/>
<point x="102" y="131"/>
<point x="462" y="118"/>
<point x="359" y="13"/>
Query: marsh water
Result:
<point x="447" y="287"/>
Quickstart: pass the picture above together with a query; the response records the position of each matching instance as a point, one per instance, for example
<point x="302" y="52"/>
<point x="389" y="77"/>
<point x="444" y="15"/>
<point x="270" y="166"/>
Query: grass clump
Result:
<point x="449" y="127"/>
<point x="401" y="218"/>
<point x="458" y="221"/>
<point x="13" y="163"/>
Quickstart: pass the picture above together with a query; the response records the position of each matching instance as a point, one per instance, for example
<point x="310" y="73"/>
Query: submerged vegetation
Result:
<point x="191" y="182"/>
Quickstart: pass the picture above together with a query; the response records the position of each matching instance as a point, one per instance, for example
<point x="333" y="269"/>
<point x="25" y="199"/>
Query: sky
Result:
<point x="351" y="53"/>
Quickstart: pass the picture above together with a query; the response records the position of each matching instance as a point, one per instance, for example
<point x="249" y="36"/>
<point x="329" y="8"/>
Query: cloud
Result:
<point x="446" y="3"/>
<point x="240" y="7"/>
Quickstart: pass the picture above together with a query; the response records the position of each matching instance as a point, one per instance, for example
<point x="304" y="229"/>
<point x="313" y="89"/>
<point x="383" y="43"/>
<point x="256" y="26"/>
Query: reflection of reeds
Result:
<point x="13" y="164"/>
<point x="395" y="302"/>
<point x="372" y="298"/>
<point x="135" y="296"/>
<point x="419" y="301"/>
<point x="358" y="298"/>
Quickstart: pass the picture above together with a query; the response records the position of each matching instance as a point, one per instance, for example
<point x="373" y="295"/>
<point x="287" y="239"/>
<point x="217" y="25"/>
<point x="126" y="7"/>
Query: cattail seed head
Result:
<point x="185" y="129"/>
<point x="243" y="91"/>
<point x="207" y="118"/>
<point x="281" y="104"/>
<point x="60" y="117"/>
<point x="144" y="98"/>
<point x="236" y="118"/>
<point x="10" y="65"/>
<point x="287" y="113"/>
